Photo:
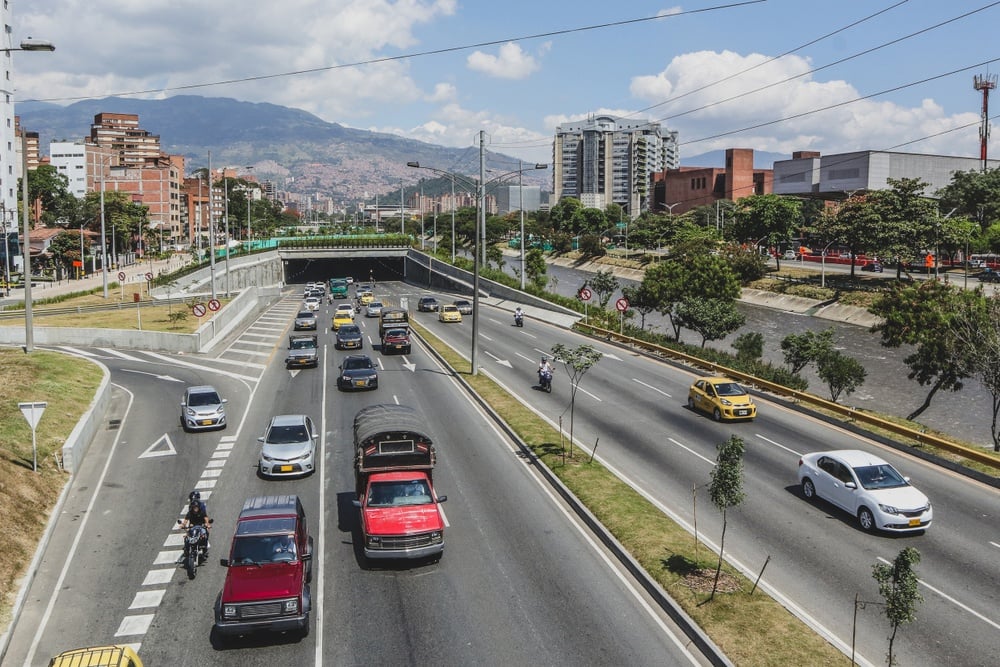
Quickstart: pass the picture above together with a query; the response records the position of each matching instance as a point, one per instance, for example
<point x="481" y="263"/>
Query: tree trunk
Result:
<point x="927" y="400"/>
<point x="722" y="548"/>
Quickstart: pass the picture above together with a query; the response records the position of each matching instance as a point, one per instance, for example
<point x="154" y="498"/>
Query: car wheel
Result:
<point x="808" y="489"/>
<point x="690" y="403"/>
<point x="717" y="415"/>
<point x="866" y="519"/>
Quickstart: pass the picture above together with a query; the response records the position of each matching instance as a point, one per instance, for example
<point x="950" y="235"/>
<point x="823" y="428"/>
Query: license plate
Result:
<point x="914" y="522"/>
<point x="285" y="468"/>
<point x="742" y="412"/>
<point x="359" y="383"/>
<point x="205" y="422"/>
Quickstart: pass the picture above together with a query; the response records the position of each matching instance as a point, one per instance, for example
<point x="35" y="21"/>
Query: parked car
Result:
<point x="349" y="338"/>
<point x="867" y="487"/>
<point x="357" y="372"/>
<point x="305" y="320"/>
<point x="722" y="398"/>
<point x="427" y="304"/>
<point x="202" y="408"/>
<point x="449" y="313"/>
<point x="373" y="309"/>
<point x="288" y="446"/>
<point x="988" y="275"/>
<point x="873" y="266"/>
<point x="464" y="306"/>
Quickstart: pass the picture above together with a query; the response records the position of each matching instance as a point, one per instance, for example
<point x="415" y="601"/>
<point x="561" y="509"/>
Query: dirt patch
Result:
<point x="703" y="579"/>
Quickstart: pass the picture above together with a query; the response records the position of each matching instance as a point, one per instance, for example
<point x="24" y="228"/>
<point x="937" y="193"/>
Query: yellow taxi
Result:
<point x="449" y="313"/>
<point x="722" y="398"/>
<point x="118" y="655"/>
<point x="342" y="317"/>
<point x="365" y="298"/>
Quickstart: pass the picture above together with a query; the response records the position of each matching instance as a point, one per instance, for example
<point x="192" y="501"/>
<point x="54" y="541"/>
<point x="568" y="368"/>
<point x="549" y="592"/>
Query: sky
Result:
<point x="773" y="75"/>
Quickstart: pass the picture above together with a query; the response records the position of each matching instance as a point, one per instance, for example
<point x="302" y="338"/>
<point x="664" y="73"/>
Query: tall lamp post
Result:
<point x="480" y="186"/>
<point x="29" y="333"/>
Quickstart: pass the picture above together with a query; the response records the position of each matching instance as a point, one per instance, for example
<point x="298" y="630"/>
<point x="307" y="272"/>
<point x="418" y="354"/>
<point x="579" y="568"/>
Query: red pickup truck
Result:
<point x="269" y="570"/>
<point x="393" y="461"/>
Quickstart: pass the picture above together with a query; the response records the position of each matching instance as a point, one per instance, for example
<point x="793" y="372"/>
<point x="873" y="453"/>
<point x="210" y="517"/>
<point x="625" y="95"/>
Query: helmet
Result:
<point x="544" y="360"/>
<point x="194" y="495"/>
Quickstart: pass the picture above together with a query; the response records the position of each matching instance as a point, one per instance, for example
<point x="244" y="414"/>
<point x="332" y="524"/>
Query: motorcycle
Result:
<point x="195" y="549"/>
<point x="545" y="380"/>
<point x="519" y="319"/>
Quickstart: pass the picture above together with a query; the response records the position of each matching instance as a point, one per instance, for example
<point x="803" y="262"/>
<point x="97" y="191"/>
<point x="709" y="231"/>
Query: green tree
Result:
<point x="921" y="316"/>
<point x="712" y="319"/>
<point x="749" y="346"/>
<point x="563" y="214"/>
<point x="591" y="246"/>
<point x="802" y="349"/>
<point x="841" y="373"/>
<point x="641" y="299"/>
<point x="766" y="220"/>
<point x="603" y="284"/>
<point x="897" y="584"/>
<point x="535" y="268"/>
<point x="696" y="276"/>
<point x="577" y="361"/>
<point x="726" y="488"/>
<point x="977" y="326"/>
<point x="974" y="195"/>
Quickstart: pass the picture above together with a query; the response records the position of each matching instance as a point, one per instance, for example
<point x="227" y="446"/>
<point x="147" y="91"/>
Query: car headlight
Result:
<point x="266" y="457"/>
<point x="725" y="401"/>
<point x="190" y="412"/>
<point x="291" y="606"/>
<point x="229" y="611"/>
<point x="888" y="509"/>
<point x="346" y="378"/>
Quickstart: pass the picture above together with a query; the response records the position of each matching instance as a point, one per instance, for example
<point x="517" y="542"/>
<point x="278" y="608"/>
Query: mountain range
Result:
<point x="297" y="150"/>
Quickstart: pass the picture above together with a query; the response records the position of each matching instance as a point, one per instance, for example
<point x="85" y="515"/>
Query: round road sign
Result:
<point x="121" y="275"/>
<point x="621" y="304"/>
<point x="198" y="309"/>
<point x="585" y="294"/>
<point x="214" y="305"/>
<point x="149" y="275"/>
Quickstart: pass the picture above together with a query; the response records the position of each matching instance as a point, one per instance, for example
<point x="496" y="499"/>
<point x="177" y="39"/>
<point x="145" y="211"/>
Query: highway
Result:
<point x="520" y="581"/>
<point x="820" y="560"/>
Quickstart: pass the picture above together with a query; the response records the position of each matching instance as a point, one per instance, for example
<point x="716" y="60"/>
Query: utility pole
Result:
<point x="211" y="226"/>
<point x="984" y="83"/>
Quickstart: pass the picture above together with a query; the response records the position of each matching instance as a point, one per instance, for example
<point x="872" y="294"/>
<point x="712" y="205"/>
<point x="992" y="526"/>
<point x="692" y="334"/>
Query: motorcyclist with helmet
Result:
<point x="197" y="515"/>
<point x="545" y="371"/>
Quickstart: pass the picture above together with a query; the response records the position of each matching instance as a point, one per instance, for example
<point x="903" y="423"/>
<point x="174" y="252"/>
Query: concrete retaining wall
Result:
<point x="76" y="445"/>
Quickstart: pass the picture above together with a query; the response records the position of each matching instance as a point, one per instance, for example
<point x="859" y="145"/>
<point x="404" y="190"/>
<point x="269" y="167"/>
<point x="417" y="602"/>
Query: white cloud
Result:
<point x="443" y="92"/>
<point x="509" y="63"/>
<point x="670" y="11"/>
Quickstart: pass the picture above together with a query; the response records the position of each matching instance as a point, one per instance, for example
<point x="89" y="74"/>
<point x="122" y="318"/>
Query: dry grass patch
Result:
<point x="750" y="629"/>
<point x="67" y="384"/>
<point x="171" y="318"/>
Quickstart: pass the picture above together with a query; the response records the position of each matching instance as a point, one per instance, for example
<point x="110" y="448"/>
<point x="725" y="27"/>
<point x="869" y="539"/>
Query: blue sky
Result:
<point x="710" y="70"/>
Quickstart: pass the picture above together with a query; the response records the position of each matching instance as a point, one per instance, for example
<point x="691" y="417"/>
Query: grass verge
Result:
<point x="750" y="627"/>
<point x="171" y="318"/>
<point x="67" y="384"/>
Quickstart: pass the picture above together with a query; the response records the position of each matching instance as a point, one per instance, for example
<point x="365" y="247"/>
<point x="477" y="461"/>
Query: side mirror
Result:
<point x="224" y="562"/>
<point x="356" y="503"/>
<point x="850" y="485"/>
<point x="225" y="400"/>
<point x="441" y="499"/>
<point x="260" y="438"/>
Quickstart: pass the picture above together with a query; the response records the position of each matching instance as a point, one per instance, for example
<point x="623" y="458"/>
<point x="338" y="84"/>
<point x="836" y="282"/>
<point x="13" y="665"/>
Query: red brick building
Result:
<point x="679" y="190"/>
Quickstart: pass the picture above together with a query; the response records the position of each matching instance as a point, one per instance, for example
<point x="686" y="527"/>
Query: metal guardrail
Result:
<point x="80" y="310"/>
<point x="852" y="414"/>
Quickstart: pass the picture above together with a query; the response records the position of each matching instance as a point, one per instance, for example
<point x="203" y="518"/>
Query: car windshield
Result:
<point x="882" y="476"/>
<point x="306" y="315"/>
<point x="287" y="435"/>
<point x="257" y="549"/>
<point x="204" y="398"/>
<point x="357" y="364"/>
<point x="303" y="344"/>
<point x="729" y="389"/>
<point x="350" y="330"/>
<point x="375" y="304"/>
<point x="395" y="333"/>
<point x="395" y="494"/>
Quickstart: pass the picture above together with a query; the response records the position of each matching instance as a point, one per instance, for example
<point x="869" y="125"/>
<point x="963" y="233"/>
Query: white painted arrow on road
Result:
<point x="611" y="356"/>
<point x="502" y="362"/>
<point x="408" y="366"/>
<point x="168" y="378"/>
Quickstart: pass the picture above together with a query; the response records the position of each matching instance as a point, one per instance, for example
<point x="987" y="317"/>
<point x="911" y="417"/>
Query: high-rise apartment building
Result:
<point x="121" y="132"/>
<point x="609" y="160"/>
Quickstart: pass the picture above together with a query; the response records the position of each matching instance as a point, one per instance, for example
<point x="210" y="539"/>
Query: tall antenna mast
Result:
<point x="985" y="83"/>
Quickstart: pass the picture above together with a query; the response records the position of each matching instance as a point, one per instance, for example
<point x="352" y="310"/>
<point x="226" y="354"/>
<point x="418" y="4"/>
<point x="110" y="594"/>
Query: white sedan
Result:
<point x="868" y="488"/>
<point x="311" y="303"/>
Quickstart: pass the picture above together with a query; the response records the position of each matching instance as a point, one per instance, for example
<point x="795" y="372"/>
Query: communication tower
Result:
<point x="985" y="83"/>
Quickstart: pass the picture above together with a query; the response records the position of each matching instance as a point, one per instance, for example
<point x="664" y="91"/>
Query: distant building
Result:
<point x="836" y="176"/>
<point x="679" y="190"/>
<point x="606" y="159"/>
<point x="509" y="198"/>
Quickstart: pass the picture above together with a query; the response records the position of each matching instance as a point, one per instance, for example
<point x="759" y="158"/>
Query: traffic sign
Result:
<point x="585" y="294"/>
<point x="121" y="275"/>
<point x="214" y="305"/>
<point x="621" y="304"/>
<point x="149" y="275"/>
<point x="32" y="412"/>
<point x="199" y="310"/>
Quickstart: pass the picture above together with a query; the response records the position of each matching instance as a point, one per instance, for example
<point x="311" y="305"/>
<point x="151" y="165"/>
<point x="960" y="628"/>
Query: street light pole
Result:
<point x="453" y="218"/>
<point x="211" y="226"/>
<point x="226" y="182"/>
<point x="402" y="225"/>
<point x="104" y="242"/>
<point x="474" y="370"/>
<point x="520" y="205"/>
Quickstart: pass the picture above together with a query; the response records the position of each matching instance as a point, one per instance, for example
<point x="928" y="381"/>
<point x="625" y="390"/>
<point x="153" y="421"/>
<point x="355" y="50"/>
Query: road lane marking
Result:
<point x="168" y="557"/>
<point x="135" y="625"/>
<point x="216" y="463"/>
<point x="691" y="451"/>
<point x="778" y="445"/>
<point x="952" y="600"/>
<point x="147" y="599"/>
<point x="210" y="472"/>
<point x="649" y="386"/>
<point x="158" y="577"/>
<point x="174" y="540"/>
<point x="205" y="484"/>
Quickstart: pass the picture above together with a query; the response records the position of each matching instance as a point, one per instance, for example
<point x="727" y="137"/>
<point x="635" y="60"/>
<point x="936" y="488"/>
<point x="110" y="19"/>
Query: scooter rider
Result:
<point x="518" y="314"/>
<point x="197" y="515"/>
<point x="544" y="368"/>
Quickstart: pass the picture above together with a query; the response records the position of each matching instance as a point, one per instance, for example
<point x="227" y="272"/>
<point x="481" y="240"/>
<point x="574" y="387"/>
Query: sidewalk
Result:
<point x="46" y="290"/>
